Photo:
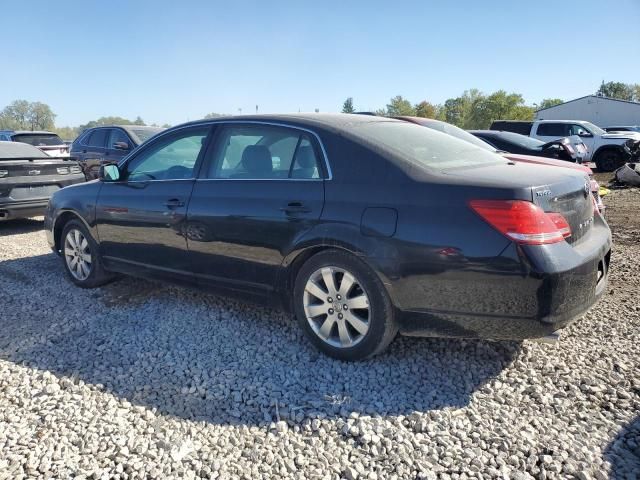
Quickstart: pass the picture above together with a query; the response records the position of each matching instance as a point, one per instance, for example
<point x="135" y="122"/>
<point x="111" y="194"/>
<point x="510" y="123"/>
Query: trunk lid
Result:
<point x="570" y="197"/>
<point x="561" y="190"/>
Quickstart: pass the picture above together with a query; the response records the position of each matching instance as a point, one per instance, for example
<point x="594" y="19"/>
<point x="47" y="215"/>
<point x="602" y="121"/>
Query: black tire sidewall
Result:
<point x="608" y="156"/>
<point x="381" y="324"/>
<point x="96" y="275"/>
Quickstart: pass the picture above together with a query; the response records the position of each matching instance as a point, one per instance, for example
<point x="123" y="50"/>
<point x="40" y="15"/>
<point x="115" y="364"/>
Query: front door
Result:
<point x="140" y="218"/>
<point x="260" y="189"/>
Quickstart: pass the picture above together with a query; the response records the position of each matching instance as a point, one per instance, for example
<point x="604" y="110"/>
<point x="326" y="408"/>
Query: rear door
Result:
<point x="550" y="131"/>
<point x="141" y="217"/>
<point x="93" y="151"/>
<point x="260" y="189"/>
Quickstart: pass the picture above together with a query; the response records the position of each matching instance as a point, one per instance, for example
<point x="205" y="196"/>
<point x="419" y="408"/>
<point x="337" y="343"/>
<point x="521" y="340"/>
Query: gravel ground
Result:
<point x="141" y="380"/>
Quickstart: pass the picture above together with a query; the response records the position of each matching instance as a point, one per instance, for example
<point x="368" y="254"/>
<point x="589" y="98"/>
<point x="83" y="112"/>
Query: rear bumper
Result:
<point x="22" y="209"/>
<point x="552" y="286"/>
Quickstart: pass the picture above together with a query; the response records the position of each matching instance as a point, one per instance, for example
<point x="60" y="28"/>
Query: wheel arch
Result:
<point x="294" y="261"/>
<point x="606" y="147"/>
<point x="59" y="223"/>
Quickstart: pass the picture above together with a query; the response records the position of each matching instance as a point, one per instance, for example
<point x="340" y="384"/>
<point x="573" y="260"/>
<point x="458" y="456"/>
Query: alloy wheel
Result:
<point x="337" y="307"/>
<point x="77" y="254"/>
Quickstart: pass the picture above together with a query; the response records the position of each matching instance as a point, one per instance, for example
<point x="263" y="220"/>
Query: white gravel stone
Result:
<point x="142" y="380"/>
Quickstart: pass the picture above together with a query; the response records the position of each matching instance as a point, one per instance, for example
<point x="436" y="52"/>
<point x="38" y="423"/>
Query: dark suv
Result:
<point x="108" y="144"/>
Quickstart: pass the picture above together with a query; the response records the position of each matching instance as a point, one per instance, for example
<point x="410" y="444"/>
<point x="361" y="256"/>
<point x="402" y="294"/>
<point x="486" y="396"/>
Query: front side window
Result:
<point x="172" y="157"/>
<point x="117" y="135"/>
<point x="263" y="152"/>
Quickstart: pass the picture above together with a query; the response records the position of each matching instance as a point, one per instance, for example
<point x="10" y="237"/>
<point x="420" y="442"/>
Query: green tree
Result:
<point x="549" y="102"/>
<point x="347" y="106"/>
<point x="398" y="105"/>
<point x="619" y="90"/>
<point x="426" y="110"/>
<point x="16" y="115"/>
<point x="66" y="133"/>
<point x="40" y="116"/>
<point x="110" y="121"/>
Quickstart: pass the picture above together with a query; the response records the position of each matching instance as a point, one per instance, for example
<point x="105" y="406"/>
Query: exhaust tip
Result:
<point x="553" y="337"/>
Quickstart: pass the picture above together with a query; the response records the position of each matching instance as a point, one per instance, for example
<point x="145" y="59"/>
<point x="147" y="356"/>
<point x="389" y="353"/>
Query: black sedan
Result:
<point x="362" y="226"/>
<point x="28" y="177"/>
<point x="562" y="148"/>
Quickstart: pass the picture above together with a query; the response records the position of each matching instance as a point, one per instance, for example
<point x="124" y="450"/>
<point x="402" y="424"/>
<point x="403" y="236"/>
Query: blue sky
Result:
<point x="171" y="61"/>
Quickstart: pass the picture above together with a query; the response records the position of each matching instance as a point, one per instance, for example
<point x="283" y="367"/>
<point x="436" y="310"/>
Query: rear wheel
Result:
<point x="80" y="256"/>
<point x="609" y="160"/>
<point x="343" y="307"/>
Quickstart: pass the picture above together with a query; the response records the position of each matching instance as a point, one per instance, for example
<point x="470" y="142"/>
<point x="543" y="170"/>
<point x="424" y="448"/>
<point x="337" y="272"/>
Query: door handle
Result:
<point x="295" y="207"/>
<point x="174" y="203"/>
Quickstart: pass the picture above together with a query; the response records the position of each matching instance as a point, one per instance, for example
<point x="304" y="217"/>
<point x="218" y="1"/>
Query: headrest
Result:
<point x="305" y="157"/>
<point x="256" y="160"/>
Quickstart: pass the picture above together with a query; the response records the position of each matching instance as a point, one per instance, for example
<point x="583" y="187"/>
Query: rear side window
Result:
<point x="262" y="152"/>
<point x="97" y="138"/>
<point x="553" y="129"/>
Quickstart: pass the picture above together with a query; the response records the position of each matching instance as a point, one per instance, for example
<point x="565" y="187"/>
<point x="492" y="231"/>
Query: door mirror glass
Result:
<point x="121" y="146"/>
<point x="109" y="173"/>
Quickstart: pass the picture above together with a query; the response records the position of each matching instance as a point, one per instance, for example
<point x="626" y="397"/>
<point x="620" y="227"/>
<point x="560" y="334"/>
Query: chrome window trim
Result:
<point x="258" y="122"/>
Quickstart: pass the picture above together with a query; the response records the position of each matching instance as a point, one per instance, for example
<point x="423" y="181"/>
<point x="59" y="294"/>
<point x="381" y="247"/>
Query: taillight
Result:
<point x="523" y="222"/>
<point x="560" y="223"/>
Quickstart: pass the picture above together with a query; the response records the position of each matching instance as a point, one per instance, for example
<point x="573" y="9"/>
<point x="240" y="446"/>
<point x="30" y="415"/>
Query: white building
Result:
<point x="602" y="111"/>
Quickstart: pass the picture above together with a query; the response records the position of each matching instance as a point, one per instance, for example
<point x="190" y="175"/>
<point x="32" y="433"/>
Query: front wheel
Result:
<point x="80" y="256"/>
<point x="343" y="307"/>
<point x="609" y="160"/>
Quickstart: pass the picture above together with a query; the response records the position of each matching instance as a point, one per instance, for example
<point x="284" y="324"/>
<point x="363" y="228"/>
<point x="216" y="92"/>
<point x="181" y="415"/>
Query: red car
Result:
<point x="457" y="132"/>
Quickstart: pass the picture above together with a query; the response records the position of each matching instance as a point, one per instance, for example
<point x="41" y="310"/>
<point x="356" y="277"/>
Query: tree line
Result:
<point x="476" y="110"/>
<point x="25" y="115"/>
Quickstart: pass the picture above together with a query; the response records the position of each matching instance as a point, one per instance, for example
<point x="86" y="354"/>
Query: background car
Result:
<point x="49" y="142"/>
<point x="108" y="144"/>
<point x="28" y="177"/>
<point x="603" y="148"/>
<point x="457" y="132"/>
<point x="562" y="149"/>
<point x="363" y="226"/>
<point x="627" y="128"/>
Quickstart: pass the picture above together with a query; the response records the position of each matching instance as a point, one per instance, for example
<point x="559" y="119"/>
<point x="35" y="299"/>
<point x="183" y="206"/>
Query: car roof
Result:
<point x="20" y="150"/>
<point x="331" y="121"/>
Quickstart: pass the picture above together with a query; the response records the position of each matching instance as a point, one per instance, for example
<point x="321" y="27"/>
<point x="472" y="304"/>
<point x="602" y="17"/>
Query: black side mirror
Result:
<point x="109" y="173"/>
<point x="121" y="146"/>
<point x="584" y="134"/>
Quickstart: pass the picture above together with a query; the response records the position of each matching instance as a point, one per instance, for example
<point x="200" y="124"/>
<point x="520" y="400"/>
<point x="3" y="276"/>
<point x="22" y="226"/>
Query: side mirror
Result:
<point x="584" y="134"/>
<point x="109" y="173"/>
<point x="121" y="146"/>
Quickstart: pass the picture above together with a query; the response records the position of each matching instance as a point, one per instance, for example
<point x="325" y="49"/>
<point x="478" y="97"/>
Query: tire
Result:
<point x="88" y="271"/>
<point x="608" y="160"/>
<point x="345" y="322"/>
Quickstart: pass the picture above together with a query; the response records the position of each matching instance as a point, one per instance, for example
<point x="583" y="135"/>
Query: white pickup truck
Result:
<point x="605" y="149"/>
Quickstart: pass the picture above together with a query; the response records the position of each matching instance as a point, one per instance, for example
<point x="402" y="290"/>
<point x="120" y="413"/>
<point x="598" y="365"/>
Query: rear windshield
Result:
<point x="521" y="140"/>
<point x="38" y="139"/>
<point x="145" y="134"/>
<point x="459" y="133"/>
<point x="424" y="146"/>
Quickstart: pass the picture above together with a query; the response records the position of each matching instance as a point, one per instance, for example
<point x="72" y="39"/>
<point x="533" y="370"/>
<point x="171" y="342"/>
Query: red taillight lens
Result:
<point x="523" y="222"/>
<point x="560" y="223"/>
